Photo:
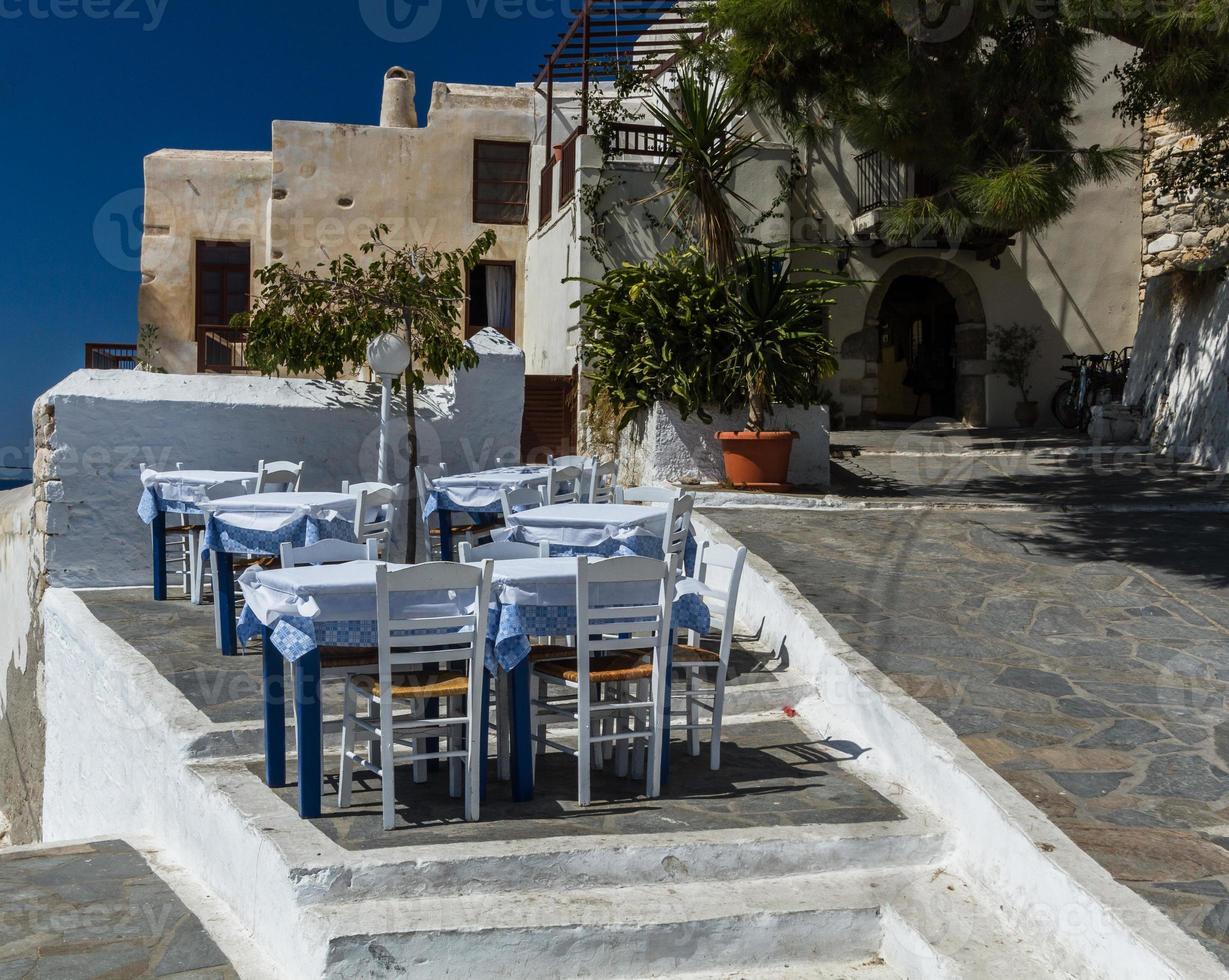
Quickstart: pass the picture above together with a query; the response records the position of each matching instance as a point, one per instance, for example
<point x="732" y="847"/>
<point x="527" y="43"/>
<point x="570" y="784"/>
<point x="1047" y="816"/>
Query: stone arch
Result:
<point x="971" y="355"/>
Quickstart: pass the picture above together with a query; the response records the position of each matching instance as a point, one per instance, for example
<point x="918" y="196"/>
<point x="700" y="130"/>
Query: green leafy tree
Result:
<point x="979" y="96"/>
<point x="320" y="320"/>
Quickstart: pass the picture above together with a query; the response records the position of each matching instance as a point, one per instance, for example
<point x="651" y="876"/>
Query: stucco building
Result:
<point x="523" y="160"/>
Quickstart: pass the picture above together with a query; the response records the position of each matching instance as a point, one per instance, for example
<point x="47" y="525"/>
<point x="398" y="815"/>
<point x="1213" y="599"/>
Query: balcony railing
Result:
<point x="631" y="139"/>
<point x="882" y="181"/>
<point x="546" y="192"/>
<point x="567" y="168"/>
<point x="221" y="350"/>
<point x="111" y="357"/>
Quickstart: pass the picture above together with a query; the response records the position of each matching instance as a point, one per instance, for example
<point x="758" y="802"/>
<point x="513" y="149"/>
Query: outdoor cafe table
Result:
<point x="182" y="492"/>
<point x="476" y="493"/>
<point x="299" y="610"/>
<point x="592" y="529"/>
<point x="258" y="524"/>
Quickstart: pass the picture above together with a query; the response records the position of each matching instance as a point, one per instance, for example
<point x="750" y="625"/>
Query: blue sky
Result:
<point x="89" y="87"/>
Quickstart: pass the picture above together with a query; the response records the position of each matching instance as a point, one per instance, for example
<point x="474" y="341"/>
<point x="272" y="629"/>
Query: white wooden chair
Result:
<point x="720" y="568"/>
<point x="678" y="526"/>
<point x="280" y="477"/>
<point x="500" y="551"/>
<point x="646" y="495"/>
<point x="583" y="462"/>
<point x="409" y="673"/>
<point x="610" y="640"/>
<point x="463" y="529"/>
<point x="563" y="486"/>
<point x="604" y="483"/>
<point x="522" y="498"/>
<point x="375" y="511"/>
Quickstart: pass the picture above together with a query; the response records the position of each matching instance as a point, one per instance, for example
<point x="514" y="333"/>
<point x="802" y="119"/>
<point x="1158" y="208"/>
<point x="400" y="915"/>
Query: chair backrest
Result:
<point x="375" y="509"/>
<point x="623" y="604"/>
<point x="426" y="483"/>
<point x="450" y="626"/>
<point x="330" y="551"/>
<point x="646" y="495"/>
<point x="278" y="477"/>
<point x="522" y="498"/>
<point x="720" y="568"/>
<point x="604" y="483"/>
<point x="678" y="525"/>
<point x="584" y="462"/>
<point x="564" y="485"/>
<point x="500" y="550"/>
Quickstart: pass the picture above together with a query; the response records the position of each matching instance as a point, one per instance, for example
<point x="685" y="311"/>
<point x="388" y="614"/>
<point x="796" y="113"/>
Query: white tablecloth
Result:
<point x="590" y="526"/>
<point x="481" y="493"/>
<point x="259" y="523"/>
<point x="183" y="491"/>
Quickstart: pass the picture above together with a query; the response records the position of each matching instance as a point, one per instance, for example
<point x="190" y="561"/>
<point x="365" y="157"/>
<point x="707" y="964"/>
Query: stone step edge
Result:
<point x="321" y="870"/>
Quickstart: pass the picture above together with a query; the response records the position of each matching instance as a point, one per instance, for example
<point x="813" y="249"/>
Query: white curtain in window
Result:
<point x="499" y="297"/>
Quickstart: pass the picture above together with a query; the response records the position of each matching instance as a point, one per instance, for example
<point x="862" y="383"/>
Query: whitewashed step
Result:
<point x="920" y="922"/>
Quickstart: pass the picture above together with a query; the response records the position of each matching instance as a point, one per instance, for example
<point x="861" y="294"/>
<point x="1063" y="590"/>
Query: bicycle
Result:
<point x="1095" y="378"/>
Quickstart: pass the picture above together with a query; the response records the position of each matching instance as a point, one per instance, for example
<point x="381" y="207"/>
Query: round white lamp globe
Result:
<point x="388" y="355"/>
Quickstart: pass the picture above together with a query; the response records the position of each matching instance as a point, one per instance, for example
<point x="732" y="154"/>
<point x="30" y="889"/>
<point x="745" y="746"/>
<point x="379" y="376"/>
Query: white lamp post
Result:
<point x="389" y="356"/>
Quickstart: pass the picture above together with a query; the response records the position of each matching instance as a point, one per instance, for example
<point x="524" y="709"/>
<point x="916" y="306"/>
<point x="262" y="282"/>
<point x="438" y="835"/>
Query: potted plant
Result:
<point x="774" y="351"/>
<point x="1013" y="349"/>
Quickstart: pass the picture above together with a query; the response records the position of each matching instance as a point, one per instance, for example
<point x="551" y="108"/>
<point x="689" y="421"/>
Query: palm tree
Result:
<point x="701" y="120"/>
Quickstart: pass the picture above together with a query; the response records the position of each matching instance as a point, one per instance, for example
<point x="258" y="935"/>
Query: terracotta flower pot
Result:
<point x="1027" y="414"/>
<point x="757" y="460"/>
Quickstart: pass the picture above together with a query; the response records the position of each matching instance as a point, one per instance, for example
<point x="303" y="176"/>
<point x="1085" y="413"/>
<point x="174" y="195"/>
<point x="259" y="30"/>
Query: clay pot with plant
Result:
<point x="1014" y="349"/>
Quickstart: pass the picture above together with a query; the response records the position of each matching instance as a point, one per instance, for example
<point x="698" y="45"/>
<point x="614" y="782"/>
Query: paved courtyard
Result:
<point x="95" y="910"/>
<point x="1084" y="656"/>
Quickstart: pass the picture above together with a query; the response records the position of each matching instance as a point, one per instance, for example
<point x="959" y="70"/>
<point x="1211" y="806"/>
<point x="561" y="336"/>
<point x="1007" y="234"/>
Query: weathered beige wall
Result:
<point x="333" y="183"/>
<point x="191" y="196"/>
<point x="1078" y="280"/>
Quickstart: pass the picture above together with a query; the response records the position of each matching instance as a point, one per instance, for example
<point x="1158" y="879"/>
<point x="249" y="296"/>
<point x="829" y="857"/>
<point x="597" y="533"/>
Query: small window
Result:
<point x="492" y="299"/>
<point x="501" y="183"/>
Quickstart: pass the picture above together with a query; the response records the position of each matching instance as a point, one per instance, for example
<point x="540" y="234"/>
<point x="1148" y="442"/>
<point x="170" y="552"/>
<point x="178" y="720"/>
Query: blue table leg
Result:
<point x="484" y="720"/>
<point x="445" y="517"/>
<point x="224" y="596"/>
<point x="308" y="732"/>
<point x="522" y="740"/>
<point x="275" y="712"/>
<point x="157" y="536"/>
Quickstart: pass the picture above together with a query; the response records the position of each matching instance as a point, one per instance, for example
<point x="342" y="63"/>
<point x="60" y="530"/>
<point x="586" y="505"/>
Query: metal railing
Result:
<point x="546" y="192"/>
<point x="631" y="139"/>
<point x="111" y="357"/>
<point x="882" y="181"/>
<point x="221" y="350"/>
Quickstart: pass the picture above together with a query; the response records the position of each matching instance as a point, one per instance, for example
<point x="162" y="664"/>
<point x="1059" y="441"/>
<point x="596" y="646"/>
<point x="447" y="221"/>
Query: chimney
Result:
<point x="397" y="107"/>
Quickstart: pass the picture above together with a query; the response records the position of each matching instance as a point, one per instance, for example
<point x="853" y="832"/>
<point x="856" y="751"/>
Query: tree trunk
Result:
<point x="757" y="408"/>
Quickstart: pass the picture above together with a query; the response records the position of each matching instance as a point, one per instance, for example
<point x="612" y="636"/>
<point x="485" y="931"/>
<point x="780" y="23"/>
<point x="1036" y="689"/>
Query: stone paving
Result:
<point x="1084" y="656"/>
<point x="773" y="773"/>
<point x="97" y="910"/>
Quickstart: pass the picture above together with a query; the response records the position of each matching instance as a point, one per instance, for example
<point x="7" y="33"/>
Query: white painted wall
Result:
<point x="17" y="574"/>
<point x="108" y="422"/>
<point x="660" y="447"/>
<point x="1180" y="368"/>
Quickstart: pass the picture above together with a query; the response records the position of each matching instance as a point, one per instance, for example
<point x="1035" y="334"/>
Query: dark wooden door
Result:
<point x="549" y="422"/>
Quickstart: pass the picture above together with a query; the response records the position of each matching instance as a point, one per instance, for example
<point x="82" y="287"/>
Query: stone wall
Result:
<point x="1180" y="370"/>
<point x="1186" y="232"/>
<point x="21" y="716"/>
<point x="660" y="447"/>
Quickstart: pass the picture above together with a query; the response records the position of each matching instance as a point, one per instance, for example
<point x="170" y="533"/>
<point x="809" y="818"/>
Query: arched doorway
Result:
<point x="917" y="351"/>
<point x="924" y="335"/>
